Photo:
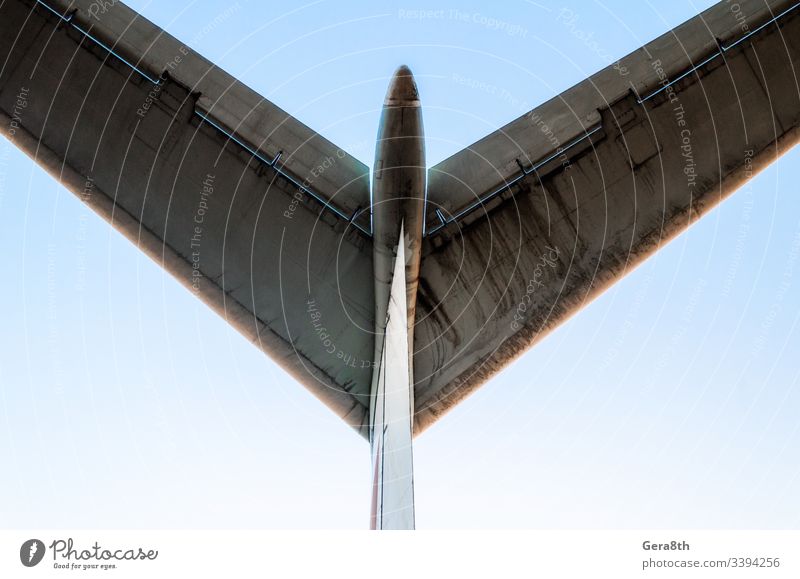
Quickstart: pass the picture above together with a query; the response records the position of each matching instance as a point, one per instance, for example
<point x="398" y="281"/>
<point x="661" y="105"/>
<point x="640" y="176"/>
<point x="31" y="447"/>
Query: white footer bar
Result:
<point x="773" y="554"/>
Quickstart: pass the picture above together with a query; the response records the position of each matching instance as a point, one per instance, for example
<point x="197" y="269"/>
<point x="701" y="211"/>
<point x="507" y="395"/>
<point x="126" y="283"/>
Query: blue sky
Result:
<point x="671" y="401"/>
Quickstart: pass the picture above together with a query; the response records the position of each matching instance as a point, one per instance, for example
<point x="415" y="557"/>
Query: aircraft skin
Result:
<point x="398" y="190"/>
<point x="392" y="301"/>
<point x="398" y="213"/>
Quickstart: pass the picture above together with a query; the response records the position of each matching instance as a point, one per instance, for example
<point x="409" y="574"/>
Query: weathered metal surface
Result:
<point x="293" y="278"/>
<point x="233" y="105"/>
<point x="398" y="191"/>
<point x="392" y="414"/>
<point x="398" y="213"/>
<point x="502" y="277"/>
<point x="461" y="180"/>
<point x="126" y="133"/>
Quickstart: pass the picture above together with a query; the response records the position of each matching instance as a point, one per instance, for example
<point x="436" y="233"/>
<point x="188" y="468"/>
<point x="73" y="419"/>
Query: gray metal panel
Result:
<point x="293" y="278"/>
<point x="232" y="104"/>
<point x="392" y="412"/>
<point x="498" y="280"/>
<point x="464" y="178"/>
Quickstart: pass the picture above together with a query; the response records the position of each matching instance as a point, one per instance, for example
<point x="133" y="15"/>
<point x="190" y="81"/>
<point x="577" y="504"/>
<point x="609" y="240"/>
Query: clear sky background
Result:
<point x="671" y="401"/>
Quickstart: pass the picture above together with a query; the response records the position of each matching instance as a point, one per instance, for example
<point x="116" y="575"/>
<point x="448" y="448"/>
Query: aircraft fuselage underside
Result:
<point x="398" y="211"/>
